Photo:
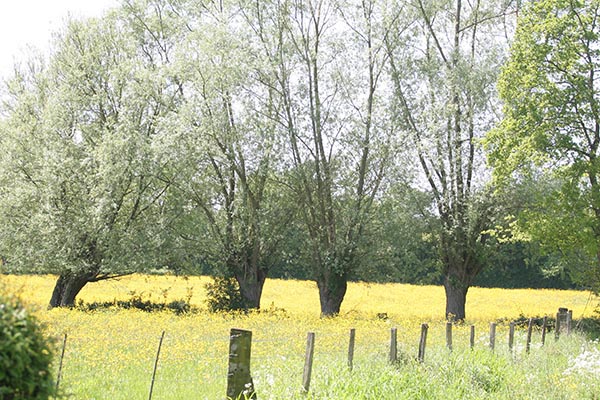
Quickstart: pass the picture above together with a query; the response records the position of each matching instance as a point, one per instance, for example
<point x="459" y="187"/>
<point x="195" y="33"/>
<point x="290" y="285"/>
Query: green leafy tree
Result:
<point x="550" y="134"/>
<point x="83" y="176"/>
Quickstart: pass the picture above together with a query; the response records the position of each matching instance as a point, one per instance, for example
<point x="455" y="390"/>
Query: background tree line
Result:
<point x="316" y="139"/>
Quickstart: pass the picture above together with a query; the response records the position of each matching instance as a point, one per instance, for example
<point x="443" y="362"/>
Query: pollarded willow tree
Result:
<point x="229" y="149"/>
<point x="83" y="177"/>
<point x="550" y="134"/>
<point x="326" y="72"/>
<point x="444" y="66"/>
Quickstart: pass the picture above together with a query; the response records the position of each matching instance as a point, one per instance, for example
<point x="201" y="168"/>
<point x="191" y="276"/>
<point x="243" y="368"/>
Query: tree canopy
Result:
<point x="83" y="177"/>
<point x="322" y="139"/>
<point x="550" y="134"/>
<point x="444" y="66"/>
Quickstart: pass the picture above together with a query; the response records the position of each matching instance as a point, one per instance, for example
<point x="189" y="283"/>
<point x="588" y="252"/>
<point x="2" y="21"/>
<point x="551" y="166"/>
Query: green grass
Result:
<point x="117" y="363"/>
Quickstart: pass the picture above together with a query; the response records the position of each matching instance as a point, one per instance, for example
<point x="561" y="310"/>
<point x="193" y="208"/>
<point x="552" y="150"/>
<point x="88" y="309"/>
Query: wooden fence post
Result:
<point x="449" y="335"/>
<point x="308" y="361"/>
<point x="472" y="337"/>
<point x="239" y="380"/>
<point x="423" y="342"/>
<point x="393" y="345"/>
<point x="511" y="336"/>
<point x="492" y="335"/>
<point x="557" y="327"/>
<point x="529" y="331"/>
<point x="162" y="336"/>
<point x="565" y="317"/>
<point x="544" y="328"/>
<point x="351" y="348"/>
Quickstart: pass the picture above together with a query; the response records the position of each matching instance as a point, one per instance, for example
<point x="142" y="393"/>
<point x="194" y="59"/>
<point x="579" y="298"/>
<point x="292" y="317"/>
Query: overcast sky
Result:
<point x="31" y="22"/>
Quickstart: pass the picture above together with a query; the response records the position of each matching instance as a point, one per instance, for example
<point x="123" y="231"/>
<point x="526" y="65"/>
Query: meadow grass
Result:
<point x="110" y="353"/>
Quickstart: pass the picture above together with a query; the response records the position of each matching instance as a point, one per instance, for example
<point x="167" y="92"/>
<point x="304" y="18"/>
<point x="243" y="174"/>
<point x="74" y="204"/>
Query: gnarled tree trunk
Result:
<point x="332" y="289"/>
<point x="456" y="298"/>
<point x="68" y="286"/>
<point x="459" y="276"/>
<point x="251" y="286"/>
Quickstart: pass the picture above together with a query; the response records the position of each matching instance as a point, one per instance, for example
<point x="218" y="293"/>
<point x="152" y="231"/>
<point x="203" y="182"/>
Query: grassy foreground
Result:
<point x="110" y="353"/>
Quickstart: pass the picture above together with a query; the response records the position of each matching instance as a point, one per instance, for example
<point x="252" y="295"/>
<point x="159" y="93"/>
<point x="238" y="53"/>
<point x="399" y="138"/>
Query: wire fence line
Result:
<point x="205" y="358"/>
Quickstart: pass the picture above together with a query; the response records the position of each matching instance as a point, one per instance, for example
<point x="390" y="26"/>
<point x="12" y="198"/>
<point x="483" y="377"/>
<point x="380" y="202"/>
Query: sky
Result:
<point x="31" y="22"/>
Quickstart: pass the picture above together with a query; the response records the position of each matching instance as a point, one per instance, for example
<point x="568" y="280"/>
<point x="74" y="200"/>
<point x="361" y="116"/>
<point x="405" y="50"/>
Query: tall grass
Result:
<point x="110" y="353"/>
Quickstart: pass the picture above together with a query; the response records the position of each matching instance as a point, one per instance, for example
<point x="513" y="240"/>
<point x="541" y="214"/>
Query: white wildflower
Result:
<point x="587" y="362"/>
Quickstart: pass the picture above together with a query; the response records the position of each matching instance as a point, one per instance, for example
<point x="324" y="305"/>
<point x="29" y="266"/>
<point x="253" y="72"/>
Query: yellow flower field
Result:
<point x="110" y="353"/>
<point x="399" y="301"/>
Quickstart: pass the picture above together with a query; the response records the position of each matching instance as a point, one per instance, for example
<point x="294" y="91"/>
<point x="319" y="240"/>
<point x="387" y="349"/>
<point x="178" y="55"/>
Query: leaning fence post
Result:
<point x="472" y="337"/>
<point x="449" y="335"/>
<point x="308" y="361"/>
<point x="511" y="336"/>
<point x="60" y="365"/>
<point x="239" y="381"/>
<point x="351" y="348"/>
<point x="393" y="345"/>
<point x="423" y="342"/>
<point x="492" y="335"/>
<point x="529" y="330"/>
<point x="162" y="336"/>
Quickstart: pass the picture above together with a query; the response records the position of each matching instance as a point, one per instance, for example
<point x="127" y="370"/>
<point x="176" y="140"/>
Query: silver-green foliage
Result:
<point x="444" y="64"/>
<point x="145" y="125"/>
<point x="83" y="175"/>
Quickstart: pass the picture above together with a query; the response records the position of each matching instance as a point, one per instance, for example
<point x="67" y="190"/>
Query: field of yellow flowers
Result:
<point x="110" y="353"/>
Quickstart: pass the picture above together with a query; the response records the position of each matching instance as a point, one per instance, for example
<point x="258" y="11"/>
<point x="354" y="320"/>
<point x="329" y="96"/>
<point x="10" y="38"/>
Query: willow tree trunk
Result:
<point x="456" y="298"/>
<point x="332" y="289"/>
<point x="251" y="286"/>
<point x="458" y="279"/>
<point x="67" y="288"/>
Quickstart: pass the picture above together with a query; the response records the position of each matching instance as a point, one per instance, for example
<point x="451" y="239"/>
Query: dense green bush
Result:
<point x="25" y="354"/>
<point x="223" y="294"/>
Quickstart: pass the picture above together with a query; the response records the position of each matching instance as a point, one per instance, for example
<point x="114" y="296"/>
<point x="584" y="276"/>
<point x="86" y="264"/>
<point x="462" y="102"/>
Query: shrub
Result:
<point x="223" y="294"/>
<point x="25" y="354"/>
<point x="139" y="302"/>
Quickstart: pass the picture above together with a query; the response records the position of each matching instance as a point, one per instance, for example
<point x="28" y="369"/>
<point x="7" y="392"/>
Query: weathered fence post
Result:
<point x="529" y="331"/>
<point x="60" y="365"/>
<point x="351" y="348"/>
<point x="544" y="328"/>
<point x="557" y="327"/>
<point x="423" y="342"/>
<point x="449" y="335"/>
<point x="239" y="380"/>
<point x="162" y="336"/>
<point x="492" y="335"/>
<point x="511" y="336"/>
<point x="393" y="345"/>
<point x="472" y="337"/>
<point x="308" y="361"/>
<point x="563" y="321"/>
